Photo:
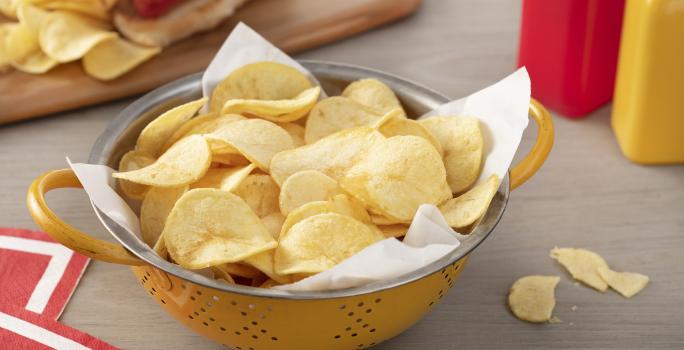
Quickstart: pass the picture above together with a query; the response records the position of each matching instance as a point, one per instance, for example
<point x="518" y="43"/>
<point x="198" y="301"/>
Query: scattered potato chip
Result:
<point x="202" y="124"/>
<point x="339" y="204"/>
<point x="467" y="208"/>
<point x="373" y="93"/>
<point x="226" y="179"/>
<point x="583" y="265"/>
<point x="259" y="81"/>
<point x="113" y="57"/>
<point x="532" y="299"/>
<point x="184" y="163"/>
<point x="397" y="175"/>
<point x="274" y="223"/>
<point x="230" y="159"/>
<point x="285" y="110"/>
<point x="154" y="210"/>
<point x="306" y="186"/>
<point x="396" y="231"/>
<point x="67" y="36"/>
<point x="238" y="269"/>
<point x="296" y="132"/>
<point x="23" y="52"/>
<point x="320" y="242"/>
<point x="5" y="59"/>
<point x="332" y="155"/>
<point x="208" y="227"/>
<point x="31" y="17"/>
<point x="626" y="283"/>
<point x="394" y="123"/>
<point x="337" y="113"/>
<point x="258" y="140"/>
<point x="154" y="135"/>
<point x="130" y="161"/>
<point x="462" y="142"/>
<point x="260" y="192"/>
<point x="93" y="8"/>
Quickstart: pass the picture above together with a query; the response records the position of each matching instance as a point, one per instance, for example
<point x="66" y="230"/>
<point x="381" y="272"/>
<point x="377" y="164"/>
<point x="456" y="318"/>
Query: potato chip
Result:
<point x="238" y="269"/>
<point x="332" y="155"/>
<point x="23" y="51"/>
<point x="260" y="192"/>
<point x="285" y="110"/>
<point x="379" y="219"/>
<point x="320" y="242"/>
<point x="9" y="7"/>
<point x="31" y="17"/>
<point x="396" y="231"/>
<point x="467" y="208"/>
<point x="583" y="265"/>
<point x="269" y="284"/>
<point x="339" y="204"/>
<point x="462" y="142"/>
<point x="67" y="36"/>
<point x="111" y="58"/>
<point x="130" y="161"/>
<point x="202" y="124"/>
<point x="93" y="8"/>
<point x="626" y="283"/>
<point x="208" y="227"/>
<point x="154" y="210"/>
<point x="227" y="179"/>
<point x="222" y="275"/>
<point x="306" y="186"/>
<point x="394" y="123"/>
<point x="274" y="223"/>
<point x="296" y="132"/>
<point x="259" y="81"/>
<point x="184" y="163"/>
<point x="154" y="135"/>
<point x="264" y="262"/>
<point x="337" y="113"/>
<point x="230" y="159"/>
<point x="258" y="140"/>
<point x="373" y="93"/>
<point x="397" y="175"/>
<point x="532" y="298"/>
<point x="5" y="59"/>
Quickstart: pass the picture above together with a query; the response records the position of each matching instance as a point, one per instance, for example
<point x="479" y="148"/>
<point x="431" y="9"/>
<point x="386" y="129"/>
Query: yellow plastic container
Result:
<point x="648" y="106"/>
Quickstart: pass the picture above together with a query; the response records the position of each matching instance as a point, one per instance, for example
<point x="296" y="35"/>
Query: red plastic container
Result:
<point x="570" y="49"/>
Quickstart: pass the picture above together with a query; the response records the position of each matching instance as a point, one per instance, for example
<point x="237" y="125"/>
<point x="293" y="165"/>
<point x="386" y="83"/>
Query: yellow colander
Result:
<point x="247" y="318"/>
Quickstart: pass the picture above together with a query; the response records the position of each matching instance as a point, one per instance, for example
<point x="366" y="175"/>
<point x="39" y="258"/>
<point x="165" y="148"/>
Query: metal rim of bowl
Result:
<point x="191" y="84"/>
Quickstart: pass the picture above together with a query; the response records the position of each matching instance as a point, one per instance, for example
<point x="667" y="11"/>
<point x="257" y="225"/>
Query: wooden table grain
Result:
<point x="587" y="195"/>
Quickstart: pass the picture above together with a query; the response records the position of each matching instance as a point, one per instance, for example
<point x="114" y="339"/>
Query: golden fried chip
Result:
<point x="227" y="179"/>
<point x="260" y="192"/>
<point x="258" y="140"/>
<point x="337" y="113"/>
<point x="306" y="186"/>
<point x="202" y="124"/>
<point x="626" y="283"/>
<point x="394" y="123"/>
<point x="230" y="159"/>
<point x="467" y="208"/>
<point x="583" y="265"/>
<point x="274" y="223"/>
<point x="396" y="231"/>
<point x="9" y="7"/>
<point x="379" y="219"/>
<point x="5" y="59"/>
<point x="113" y="57"/>
<point x="264" y="262"/>
<point x="222" y="275"/>
<point x="339" y="204"/>
<point x="532" y="298"/>
<point x="320" y="242"/>
<point x="373" y="93"/>
<point x="296" y="132"/>
<point x="397" y="175"/>
<point x="269" y="284"/>
<point x="332" y="155"/>
<point x="31" y="17"/>
<point x="154" y="135"/>
<point x="462" y="142"/>
<point x="154" y="210"/>
<point x="208" y="227"/>
<point x="238" y="269"/>
<point x="184" y="163"/>
<point x="259" y="81"/>
<point x="22" y="51"/>
<point x="67" y="36"/>
<point x="286" y="110"/>
<point x="130" y="161"/>
<point x="93" y="8"/>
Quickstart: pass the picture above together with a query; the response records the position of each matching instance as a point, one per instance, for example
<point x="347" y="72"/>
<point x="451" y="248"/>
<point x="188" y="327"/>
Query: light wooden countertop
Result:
<point x="587" y="195"/>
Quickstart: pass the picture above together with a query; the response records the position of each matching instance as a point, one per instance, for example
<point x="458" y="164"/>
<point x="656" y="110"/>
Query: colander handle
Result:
<point x="534" y="160"/>
<point x="64" y="233"/>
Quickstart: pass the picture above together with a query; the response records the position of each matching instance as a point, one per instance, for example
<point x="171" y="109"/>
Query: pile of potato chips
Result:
<point x="50" y="32"/>
<point x="272" y="185"/>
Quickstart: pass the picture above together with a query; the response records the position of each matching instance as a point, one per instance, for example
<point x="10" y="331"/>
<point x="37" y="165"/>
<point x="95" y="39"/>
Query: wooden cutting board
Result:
<point x="292" y="25"/>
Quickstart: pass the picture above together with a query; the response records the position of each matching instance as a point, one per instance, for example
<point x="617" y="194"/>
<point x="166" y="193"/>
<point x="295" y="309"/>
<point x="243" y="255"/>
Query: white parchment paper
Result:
<point x="502" y="108"/>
